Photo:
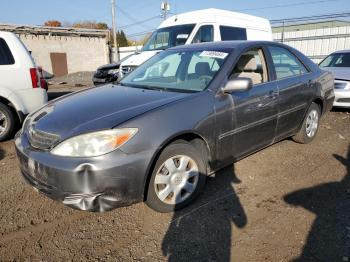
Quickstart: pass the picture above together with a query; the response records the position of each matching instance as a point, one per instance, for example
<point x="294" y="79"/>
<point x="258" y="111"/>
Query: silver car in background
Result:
<point x="339" y="64"/>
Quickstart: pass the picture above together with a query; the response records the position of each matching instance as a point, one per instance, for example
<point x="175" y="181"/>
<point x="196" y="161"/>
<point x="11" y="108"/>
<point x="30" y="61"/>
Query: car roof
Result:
<point x="213" y="15"/>
<point x="224" y="45"/>
<point x="342" y="51"/>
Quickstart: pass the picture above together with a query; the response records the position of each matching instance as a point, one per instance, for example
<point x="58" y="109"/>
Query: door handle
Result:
<point x="273" y="94"/>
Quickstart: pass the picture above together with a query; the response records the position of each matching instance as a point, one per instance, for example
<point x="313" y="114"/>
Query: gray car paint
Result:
<point x="231" y="125"/>
<point x="342" y="73"/>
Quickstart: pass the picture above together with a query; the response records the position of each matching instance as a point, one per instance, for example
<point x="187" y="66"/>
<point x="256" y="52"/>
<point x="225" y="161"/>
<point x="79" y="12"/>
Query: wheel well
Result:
<point x="197" y="141"/>
<point x="319" y="102"/>
<point x="11" y="107"/>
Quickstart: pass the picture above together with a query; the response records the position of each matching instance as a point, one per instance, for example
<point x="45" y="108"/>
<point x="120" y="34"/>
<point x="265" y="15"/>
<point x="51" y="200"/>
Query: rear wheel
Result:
<point x="177" y="179"/>
<point x="310" y="125"/>
<point x="7" y="122"/>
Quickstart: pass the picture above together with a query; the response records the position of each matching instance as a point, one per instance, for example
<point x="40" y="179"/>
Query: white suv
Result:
<point x="20" y="85"/>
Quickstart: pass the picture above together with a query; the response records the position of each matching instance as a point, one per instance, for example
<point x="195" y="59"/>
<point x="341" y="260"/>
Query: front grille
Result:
<point x="343" y="100"/>
<point x="340" y="85"/>
<point x="127" y="69"/>
<point x="101" y="74"/>
<point x="41" y="140"/>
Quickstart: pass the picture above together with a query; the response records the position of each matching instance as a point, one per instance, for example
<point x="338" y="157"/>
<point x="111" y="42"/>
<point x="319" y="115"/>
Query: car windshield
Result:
<point x="336" y="60"/>
<point x="167" y="37"/>
<point x="182" y="71"/>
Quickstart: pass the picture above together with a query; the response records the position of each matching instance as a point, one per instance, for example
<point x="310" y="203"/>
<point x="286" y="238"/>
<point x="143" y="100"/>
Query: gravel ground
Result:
<point x="287" y="202"/>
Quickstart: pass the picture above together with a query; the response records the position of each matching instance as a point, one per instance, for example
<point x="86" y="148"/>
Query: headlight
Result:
<point x="94" y="144"/>
<point x="113" y="72"/>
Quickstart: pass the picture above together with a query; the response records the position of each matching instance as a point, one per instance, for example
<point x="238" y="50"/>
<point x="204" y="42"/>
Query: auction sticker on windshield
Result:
<point x="214" y="54"/>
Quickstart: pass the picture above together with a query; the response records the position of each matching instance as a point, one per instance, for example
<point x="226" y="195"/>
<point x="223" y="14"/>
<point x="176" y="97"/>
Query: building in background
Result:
<point x="314" y="39"/>
<point x="60" y="51"/>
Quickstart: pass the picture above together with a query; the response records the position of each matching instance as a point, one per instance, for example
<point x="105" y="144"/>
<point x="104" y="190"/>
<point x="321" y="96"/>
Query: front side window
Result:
<point x="205" y="34"/>
<point x="251" y="65"/>
<point x="6" y="57"/>
<point x="229" y="33"/>
<point x="286" y="64"/>
<point x="182" y="71"/>
<point x="167" y="37"/>
<point x="336" y="60"/>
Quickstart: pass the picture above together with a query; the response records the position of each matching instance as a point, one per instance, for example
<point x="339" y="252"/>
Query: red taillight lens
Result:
<point x="35" y="78"/>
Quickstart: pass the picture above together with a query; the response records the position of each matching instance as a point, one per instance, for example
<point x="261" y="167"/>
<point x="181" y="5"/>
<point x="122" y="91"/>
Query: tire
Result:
<point x="7" y="122"/>
<point x="310" y="126"/>
<point x="178" y="188"/>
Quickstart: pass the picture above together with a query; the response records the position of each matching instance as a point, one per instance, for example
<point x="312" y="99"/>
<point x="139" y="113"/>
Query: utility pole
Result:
<point x="165" y="7"/>
<point x="116" y="49"/>
<point x="282" y="37"/>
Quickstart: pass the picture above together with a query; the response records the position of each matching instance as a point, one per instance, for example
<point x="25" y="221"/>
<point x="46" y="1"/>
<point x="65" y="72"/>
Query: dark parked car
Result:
<point x="185" y="113"/>
<point x="107" y="73"/>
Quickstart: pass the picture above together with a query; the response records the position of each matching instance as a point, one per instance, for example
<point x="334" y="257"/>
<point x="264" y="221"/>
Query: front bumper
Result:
<point x="99" y="81"/>
<point x="97" y="184"/>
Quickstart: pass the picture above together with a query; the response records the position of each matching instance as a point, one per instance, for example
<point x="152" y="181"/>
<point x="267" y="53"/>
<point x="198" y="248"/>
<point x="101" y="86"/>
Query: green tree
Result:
<point x="121" y="38"/>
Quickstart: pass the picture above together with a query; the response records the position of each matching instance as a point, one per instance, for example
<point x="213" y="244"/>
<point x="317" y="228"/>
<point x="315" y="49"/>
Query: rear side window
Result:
<point x="205" y="34"/>
<point x="286" y="64"/>
<point x="233" y="33"/>
<point x="6" y="57"/>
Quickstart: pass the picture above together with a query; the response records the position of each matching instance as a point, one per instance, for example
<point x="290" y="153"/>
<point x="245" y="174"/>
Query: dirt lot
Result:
<point x="287" y="202"/>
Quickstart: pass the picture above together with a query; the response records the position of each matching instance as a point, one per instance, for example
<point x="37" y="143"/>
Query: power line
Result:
<point x="139" y="22"/>
<point x="311" y="18"/>
<point x="136" y="21"/>
<point x="141" y="33"/>
<point x="289" y="5"/>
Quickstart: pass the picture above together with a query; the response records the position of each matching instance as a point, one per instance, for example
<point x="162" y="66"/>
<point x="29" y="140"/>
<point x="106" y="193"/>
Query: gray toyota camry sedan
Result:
<point x="179" y="117"/>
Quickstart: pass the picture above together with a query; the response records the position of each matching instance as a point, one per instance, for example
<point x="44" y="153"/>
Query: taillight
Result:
<point x="35" y="77"/>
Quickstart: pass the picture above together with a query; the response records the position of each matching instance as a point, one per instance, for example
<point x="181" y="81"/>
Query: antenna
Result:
<point x="165" y="7"/>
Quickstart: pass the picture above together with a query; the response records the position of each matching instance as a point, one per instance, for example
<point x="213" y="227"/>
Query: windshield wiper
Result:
<point x="143" y="87"/>
<point x="152" y="88"/>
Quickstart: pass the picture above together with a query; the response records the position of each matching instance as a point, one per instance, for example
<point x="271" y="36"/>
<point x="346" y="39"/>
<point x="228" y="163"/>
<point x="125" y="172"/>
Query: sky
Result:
<point x="136" y="17"/>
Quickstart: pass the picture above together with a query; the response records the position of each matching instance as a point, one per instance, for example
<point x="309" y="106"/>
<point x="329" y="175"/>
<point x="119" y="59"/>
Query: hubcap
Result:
<point x="312" y="123"/>
<point x="176" y="179"/>
<point x="3" y="123"/>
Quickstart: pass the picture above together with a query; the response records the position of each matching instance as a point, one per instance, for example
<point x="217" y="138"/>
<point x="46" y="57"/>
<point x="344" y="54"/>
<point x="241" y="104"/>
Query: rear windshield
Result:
<point x="6" y="57"/>
<point x="336" y="60"/>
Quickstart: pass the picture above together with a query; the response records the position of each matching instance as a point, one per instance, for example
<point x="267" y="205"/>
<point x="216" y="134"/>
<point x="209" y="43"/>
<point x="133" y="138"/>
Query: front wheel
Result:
<point x="177" y="178"/>
<point x="310" y="125"/>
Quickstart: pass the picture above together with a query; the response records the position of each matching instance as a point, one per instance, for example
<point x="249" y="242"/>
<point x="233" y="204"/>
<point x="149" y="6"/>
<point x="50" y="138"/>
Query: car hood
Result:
<point x="99" y="108"/>
<point x="109" y="67"/>
<point x="139" y="58"/>
<point x="340" y="72"/>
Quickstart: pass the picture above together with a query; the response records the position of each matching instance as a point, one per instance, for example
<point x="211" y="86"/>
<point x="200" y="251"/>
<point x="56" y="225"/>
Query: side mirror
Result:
<point x="239" y="84"/>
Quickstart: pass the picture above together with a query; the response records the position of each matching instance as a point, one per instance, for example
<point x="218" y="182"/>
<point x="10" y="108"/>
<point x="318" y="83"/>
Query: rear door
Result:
<point x="255" y="111"/>
<point x="293" y="79"/>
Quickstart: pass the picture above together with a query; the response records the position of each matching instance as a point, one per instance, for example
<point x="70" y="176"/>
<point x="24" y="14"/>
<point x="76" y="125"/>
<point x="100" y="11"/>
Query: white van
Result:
<point x="200" y="26"/>
<point x="21" y="89"/>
